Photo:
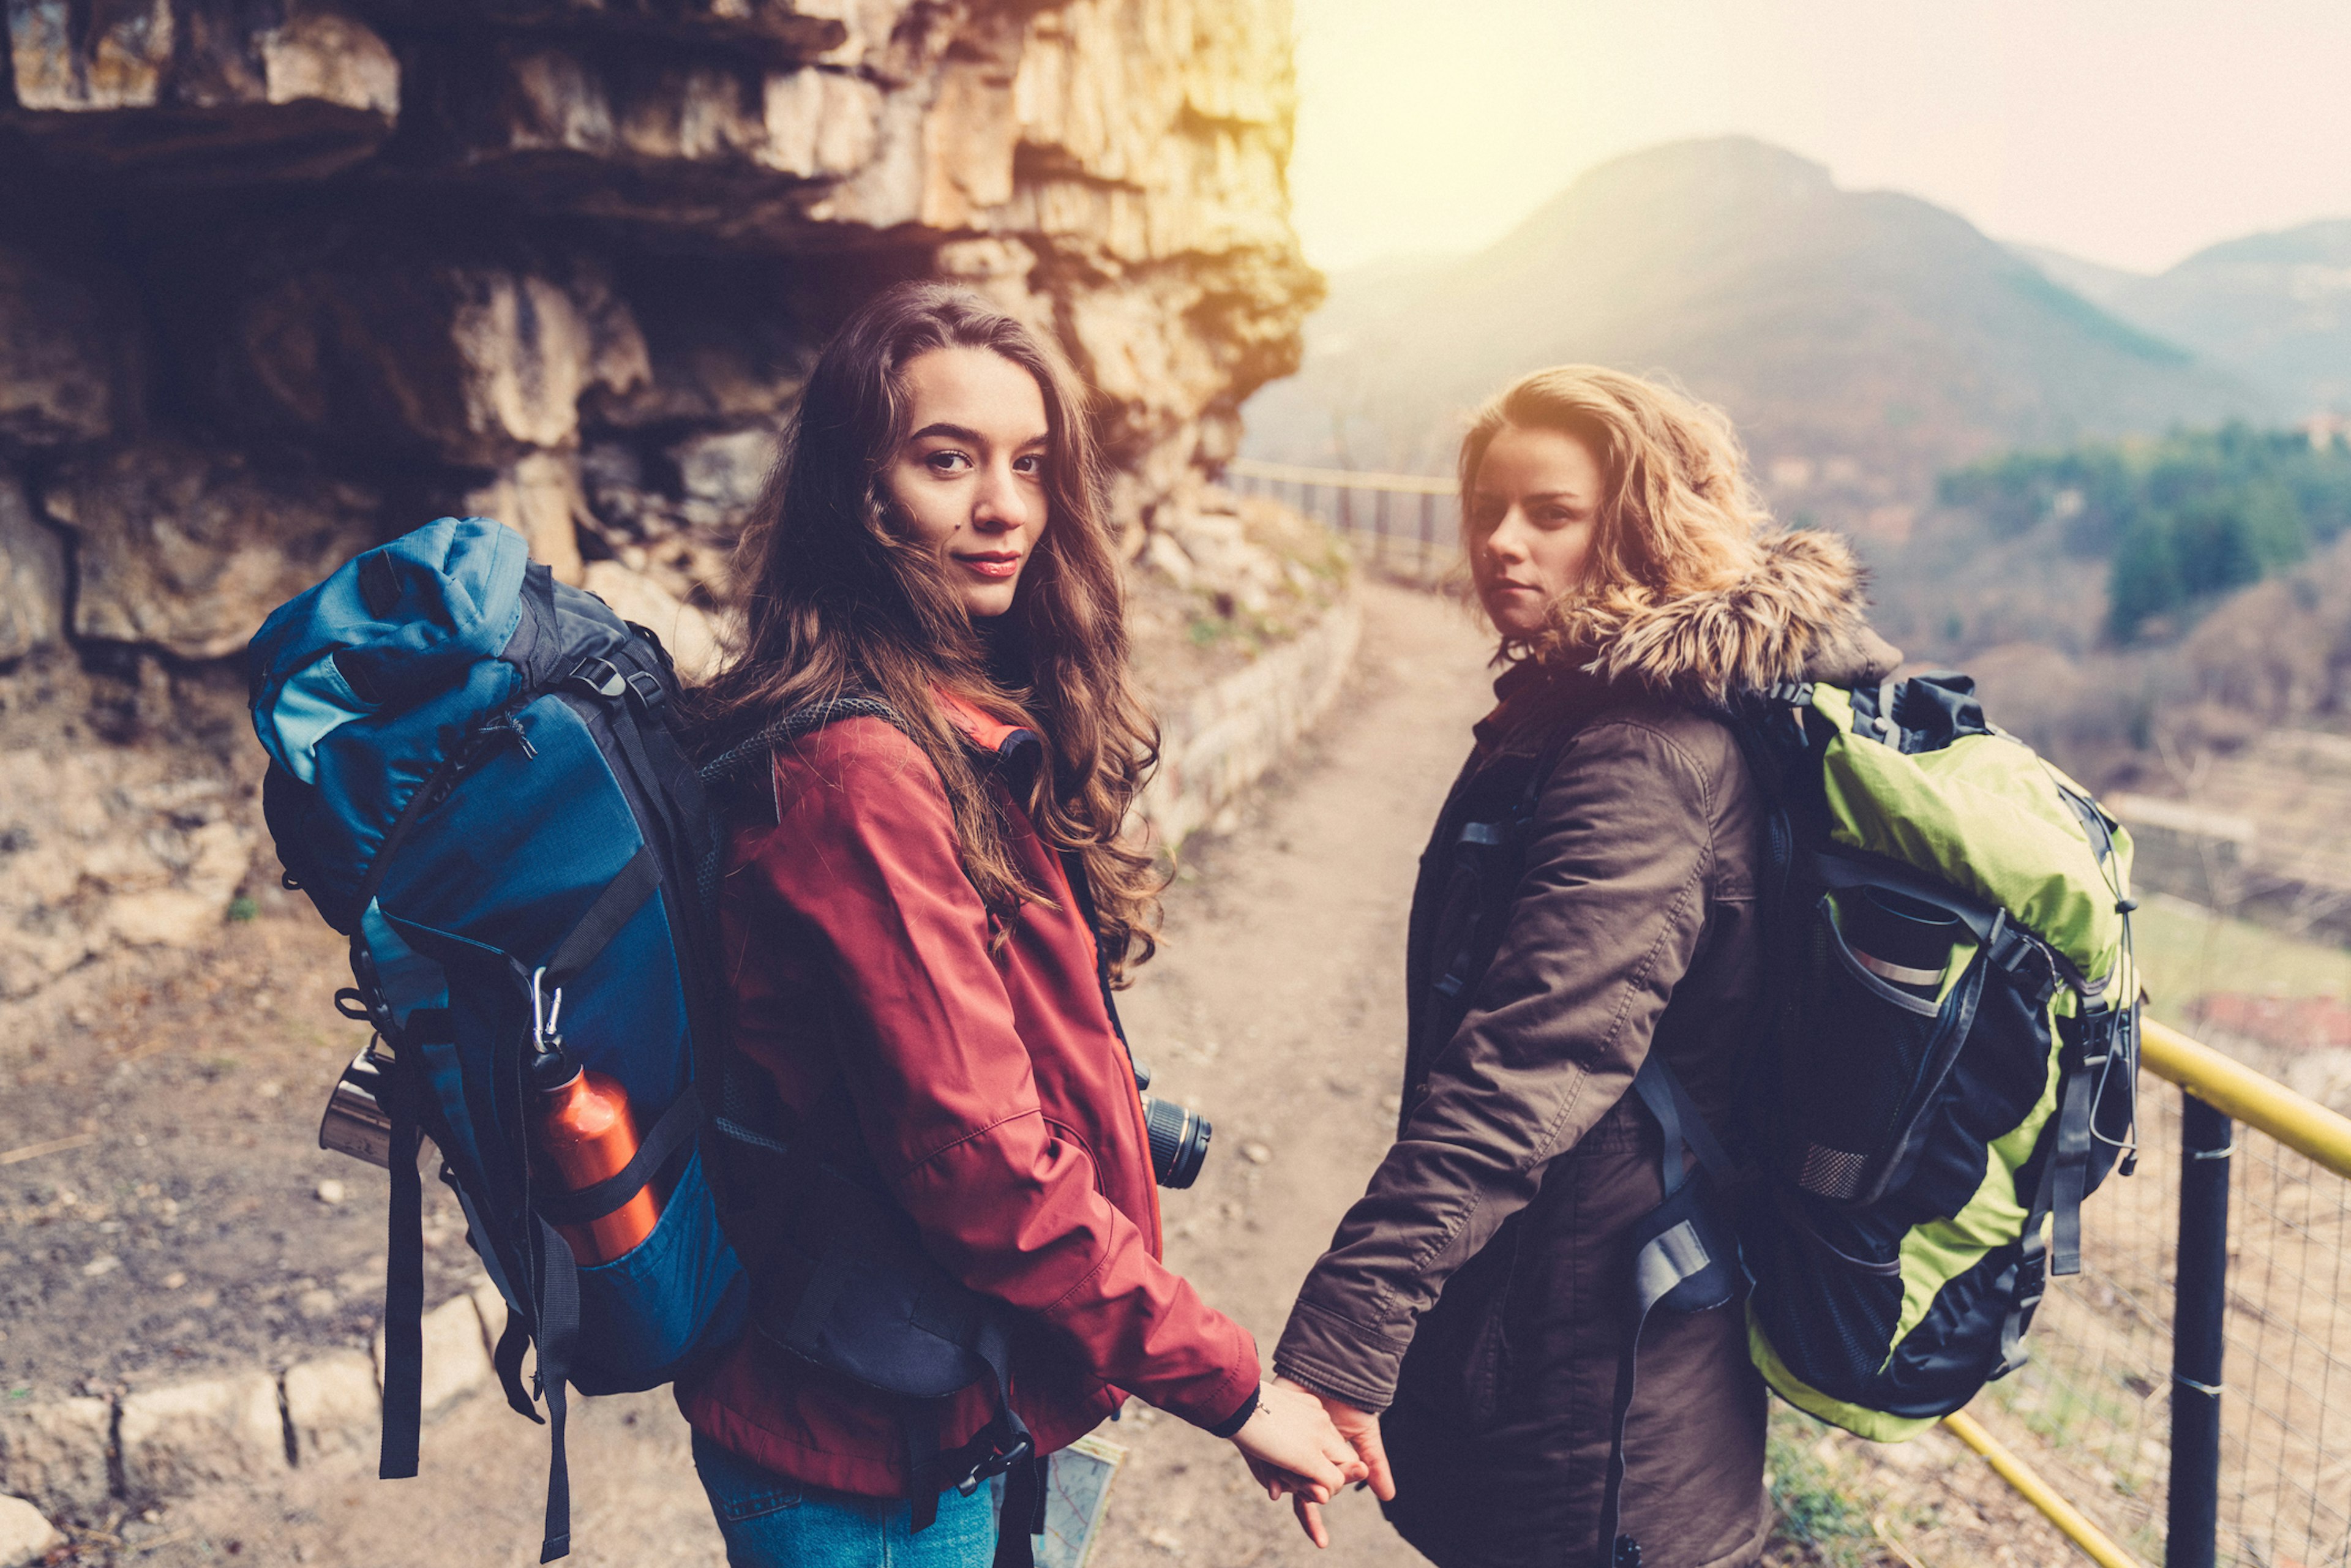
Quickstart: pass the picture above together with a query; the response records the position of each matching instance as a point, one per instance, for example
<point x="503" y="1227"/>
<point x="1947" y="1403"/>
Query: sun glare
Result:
<point x="2126" y="132"/>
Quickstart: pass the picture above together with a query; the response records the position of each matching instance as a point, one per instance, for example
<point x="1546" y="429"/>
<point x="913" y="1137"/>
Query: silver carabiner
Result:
<point x="543" y="1012"/>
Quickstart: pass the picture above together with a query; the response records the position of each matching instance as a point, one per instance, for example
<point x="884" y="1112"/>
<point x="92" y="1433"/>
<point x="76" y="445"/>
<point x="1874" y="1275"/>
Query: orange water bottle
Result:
<point x="581" y="1124"/>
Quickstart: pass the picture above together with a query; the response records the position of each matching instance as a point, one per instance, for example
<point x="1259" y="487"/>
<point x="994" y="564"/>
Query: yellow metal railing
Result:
<point x="2072" y="1520"/>
<point x="2232" y="1088"/>
<point x="2253" y="1102"/>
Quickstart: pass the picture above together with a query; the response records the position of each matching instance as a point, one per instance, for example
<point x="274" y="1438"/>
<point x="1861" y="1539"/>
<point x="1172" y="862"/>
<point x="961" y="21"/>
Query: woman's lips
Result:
<point x="997" y="564"/>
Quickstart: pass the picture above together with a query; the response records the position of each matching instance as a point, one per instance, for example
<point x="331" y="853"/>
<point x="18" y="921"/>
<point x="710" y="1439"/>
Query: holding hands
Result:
<point x="1305" y="1446"/>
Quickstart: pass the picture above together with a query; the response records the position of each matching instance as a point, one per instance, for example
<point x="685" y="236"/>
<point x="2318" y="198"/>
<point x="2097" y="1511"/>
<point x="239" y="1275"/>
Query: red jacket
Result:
<point x="988" y="1092"/>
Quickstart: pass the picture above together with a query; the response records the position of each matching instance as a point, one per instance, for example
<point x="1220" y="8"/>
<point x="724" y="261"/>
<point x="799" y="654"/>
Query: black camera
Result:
<point x="1179" y="1135"/>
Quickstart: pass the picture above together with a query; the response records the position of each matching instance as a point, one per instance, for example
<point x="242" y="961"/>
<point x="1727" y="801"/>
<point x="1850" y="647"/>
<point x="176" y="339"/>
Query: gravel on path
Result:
<point x="168" y="1212"/>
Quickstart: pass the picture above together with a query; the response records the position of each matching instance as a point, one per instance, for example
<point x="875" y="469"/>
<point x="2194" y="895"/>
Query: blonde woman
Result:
<point x="1586" y="902"/>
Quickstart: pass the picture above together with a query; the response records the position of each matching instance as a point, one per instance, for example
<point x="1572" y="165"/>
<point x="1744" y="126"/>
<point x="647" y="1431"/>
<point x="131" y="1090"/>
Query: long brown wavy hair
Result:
<point x="841" y="599"/>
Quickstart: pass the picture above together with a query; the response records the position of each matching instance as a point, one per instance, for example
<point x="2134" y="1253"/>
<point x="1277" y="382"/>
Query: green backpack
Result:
<point x="1950" y="1062"/>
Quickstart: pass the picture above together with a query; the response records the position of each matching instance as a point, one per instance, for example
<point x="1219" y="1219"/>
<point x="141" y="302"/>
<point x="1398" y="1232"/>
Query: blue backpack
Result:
<point x="473" y="777"/>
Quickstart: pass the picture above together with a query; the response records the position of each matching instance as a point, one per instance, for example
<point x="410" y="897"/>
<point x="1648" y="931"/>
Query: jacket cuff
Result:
<point x="1335" y="1357"/>
<point x="1238" y="1418"/>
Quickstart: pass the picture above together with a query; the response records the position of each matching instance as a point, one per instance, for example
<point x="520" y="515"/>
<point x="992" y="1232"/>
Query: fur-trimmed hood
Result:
<point x="1798" y="615"/>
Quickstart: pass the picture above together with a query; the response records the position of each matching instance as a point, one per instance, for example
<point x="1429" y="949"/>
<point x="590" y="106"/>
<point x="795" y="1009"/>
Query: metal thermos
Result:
<point x="1903" y="941"/>
<point x="356" y="1123"/>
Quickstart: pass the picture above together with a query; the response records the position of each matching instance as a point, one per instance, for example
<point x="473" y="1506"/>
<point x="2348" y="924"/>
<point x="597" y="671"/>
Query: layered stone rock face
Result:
<point x="280" y="278"/>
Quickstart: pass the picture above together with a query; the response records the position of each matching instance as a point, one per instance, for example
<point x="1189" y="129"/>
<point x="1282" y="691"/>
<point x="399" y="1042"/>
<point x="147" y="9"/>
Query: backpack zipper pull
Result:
<point x="505" y="724"/>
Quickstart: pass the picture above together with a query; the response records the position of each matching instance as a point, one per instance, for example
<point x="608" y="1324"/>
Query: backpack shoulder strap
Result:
<point x="1685" y="1260"/>
<point x="1678" y="1116"/>
<point x="730" y="765"/>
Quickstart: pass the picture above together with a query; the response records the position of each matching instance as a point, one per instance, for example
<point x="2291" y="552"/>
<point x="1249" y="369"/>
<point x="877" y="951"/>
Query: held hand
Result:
<point x="1362" y="1430"/>
<point x="1291" y="1446"/>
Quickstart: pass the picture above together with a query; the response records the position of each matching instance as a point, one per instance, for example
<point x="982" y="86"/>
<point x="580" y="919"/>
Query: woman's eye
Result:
<point x="1031" y="466"/>
<point x="946" y="463"/>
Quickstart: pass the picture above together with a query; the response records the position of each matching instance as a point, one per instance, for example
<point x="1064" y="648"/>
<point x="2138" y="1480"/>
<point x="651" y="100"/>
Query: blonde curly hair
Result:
<point x="1679" y="514"/>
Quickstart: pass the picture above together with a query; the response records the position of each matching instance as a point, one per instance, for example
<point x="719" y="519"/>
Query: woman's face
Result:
<point x="1533" y="508"/>
<point x="970" y="479"/>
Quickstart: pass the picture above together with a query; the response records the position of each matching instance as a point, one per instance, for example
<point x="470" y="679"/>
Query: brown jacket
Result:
<point x="1479" y="1292"/>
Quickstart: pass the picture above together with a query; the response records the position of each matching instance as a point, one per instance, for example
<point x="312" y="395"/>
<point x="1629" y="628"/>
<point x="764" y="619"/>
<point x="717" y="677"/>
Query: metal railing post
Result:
<point x="1428" y="528"/>
<point x="2198" y="1325"/>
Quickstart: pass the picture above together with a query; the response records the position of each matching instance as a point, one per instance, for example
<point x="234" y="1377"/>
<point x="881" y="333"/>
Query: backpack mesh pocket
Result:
<point x="1872" y="1032"/>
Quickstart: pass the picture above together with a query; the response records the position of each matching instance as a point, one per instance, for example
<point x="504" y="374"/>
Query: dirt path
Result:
<point x="1278" y="1011"/>
<point x="1274" y="1009"/>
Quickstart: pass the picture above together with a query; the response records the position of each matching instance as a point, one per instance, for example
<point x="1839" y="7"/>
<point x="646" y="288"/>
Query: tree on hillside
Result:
<point x="2182" y="521"/>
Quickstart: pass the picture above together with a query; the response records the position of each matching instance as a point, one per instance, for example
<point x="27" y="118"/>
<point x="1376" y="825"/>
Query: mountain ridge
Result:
<point x="1869" y="332"/>
<point x="2274" y="306"/>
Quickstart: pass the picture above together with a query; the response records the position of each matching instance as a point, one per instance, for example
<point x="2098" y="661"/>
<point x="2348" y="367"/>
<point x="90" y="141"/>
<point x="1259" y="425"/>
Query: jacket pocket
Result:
<point x="1068" y="1134"/>
<point x="1459" y="1361"/>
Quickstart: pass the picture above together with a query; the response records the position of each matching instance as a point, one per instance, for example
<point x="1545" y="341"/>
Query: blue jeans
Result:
<point x="773" y="1522"/>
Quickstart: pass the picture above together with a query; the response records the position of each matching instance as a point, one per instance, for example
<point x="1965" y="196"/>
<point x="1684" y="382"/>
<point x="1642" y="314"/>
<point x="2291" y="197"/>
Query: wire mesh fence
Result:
<point x="2286" y="1417"/>
<point x="2092" y="1410"/>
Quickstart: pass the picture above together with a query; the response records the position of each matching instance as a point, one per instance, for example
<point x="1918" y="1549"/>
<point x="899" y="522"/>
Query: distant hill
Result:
<point x="2095" y="281"/>
<point x="1863" y="340"/>
<point x="2274" y="308"/>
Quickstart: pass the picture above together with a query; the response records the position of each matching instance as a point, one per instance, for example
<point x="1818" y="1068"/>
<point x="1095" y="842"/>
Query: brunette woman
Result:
<point x="1586" y="902"/>
<point x="922" y="916"/>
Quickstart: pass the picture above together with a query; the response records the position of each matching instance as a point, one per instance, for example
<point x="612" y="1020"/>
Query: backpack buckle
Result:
<point x="995" y="1465"/>
<point x="2032" y="1274"/>
<point x="599" y="677"/>
<point x="646" y="688"/>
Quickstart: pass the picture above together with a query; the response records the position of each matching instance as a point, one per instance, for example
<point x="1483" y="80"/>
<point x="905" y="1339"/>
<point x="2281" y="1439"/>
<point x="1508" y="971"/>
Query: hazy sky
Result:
<point x="2128" y="132"/>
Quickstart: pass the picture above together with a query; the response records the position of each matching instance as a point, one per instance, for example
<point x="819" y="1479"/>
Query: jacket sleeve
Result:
<point x="1604" y="922"/>
<point x="863" y="860"/>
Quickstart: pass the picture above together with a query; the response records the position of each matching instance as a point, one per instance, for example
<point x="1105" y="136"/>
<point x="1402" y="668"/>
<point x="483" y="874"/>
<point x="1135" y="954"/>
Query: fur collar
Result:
<point x="1798" y="615"/>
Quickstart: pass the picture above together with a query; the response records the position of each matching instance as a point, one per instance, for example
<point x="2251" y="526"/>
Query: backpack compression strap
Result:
<point x="558" y="1338"/>
<point x="2064" y="1175"/>
<point x="403" y="1278"/>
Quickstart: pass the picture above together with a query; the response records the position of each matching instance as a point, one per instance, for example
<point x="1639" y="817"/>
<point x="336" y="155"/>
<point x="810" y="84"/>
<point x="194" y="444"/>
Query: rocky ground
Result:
<point x="183" y="1228"/>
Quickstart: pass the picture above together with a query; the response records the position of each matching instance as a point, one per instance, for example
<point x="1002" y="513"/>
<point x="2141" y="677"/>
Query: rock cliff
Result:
<point x="279" y="279"/>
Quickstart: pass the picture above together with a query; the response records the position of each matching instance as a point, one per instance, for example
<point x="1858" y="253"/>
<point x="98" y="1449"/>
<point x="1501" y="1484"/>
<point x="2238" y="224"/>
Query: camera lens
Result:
<point x="1179" y="1141"/>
